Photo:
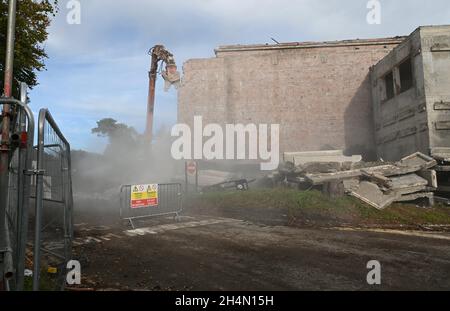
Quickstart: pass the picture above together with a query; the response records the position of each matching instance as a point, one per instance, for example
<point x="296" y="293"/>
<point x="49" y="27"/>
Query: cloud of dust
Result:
<point x="127" y="160"/>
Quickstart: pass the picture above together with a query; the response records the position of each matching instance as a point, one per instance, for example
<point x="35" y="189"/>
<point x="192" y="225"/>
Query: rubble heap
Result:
<point x="377" y="184"/>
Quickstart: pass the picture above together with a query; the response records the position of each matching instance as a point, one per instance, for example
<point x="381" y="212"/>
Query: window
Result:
<point x="406" y="75"/>
<point x="389" y="85"/>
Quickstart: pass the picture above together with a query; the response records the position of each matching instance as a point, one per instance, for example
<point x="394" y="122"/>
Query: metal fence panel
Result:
<point x="54" y="202"/>
<point x="17" y="194"/>
<point x="169" y="203"/>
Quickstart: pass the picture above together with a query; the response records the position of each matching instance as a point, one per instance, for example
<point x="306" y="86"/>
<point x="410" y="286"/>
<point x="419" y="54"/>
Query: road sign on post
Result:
<point x="191" y="170"/>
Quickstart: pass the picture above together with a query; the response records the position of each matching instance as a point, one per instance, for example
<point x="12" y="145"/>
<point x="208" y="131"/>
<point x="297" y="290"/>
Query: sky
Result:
<point x="99" y="68"/>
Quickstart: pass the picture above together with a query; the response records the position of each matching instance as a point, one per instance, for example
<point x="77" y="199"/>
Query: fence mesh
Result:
<point x="43" y="174"/>
<point x="56" y="223"/>
<point x="169" y="202"/>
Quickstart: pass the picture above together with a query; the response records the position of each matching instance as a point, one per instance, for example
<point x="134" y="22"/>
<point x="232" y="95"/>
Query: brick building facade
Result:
<point x="319" y="93"/>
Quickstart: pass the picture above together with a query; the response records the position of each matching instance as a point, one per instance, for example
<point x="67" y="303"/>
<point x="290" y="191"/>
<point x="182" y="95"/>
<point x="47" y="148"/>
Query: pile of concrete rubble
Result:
<point x="377" y="184"/>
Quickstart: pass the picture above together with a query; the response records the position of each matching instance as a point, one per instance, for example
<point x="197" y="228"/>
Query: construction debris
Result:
<point x="208" y="178"/>
<point x="238" y="185"/>
<point x="371" y="194"/>
<point x="430" y="176"/>
<point x="442" y="200"/>
<point x="377" y="184"/>
<point x="415" y="196"/>
<point x="299" y="158"/>
<point x="418" y="161"/>
<point x="408" y="184"/>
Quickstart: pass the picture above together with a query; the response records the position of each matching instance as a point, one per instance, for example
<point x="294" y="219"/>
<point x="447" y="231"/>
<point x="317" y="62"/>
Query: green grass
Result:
<point x="47" y="283"/>
<point x="313" y="206"/>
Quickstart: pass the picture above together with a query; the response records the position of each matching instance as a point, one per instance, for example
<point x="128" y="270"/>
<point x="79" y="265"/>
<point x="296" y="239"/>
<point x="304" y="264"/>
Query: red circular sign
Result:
<point x="191" y="168"/>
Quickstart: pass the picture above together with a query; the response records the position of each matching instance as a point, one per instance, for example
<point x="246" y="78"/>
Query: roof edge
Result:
<point x="308" y="45"/>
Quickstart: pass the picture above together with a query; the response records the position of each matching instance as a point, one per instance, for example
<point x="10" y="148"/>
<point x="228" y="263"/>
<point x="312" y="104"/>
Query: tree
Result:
<point x="32" y="21"/>
<point x="121" y="136"/>
<point x="109" y="127"/>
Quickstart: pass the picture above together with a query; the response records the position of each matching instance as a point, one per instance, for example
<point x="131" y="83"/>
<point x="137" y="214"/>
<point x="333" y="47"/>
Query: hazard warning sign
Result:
<point x="144" y="196"/>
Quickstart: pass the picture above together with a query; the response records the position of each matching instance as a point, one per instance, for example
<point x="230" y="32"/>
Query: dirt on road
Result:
<point x="212" y="253"/>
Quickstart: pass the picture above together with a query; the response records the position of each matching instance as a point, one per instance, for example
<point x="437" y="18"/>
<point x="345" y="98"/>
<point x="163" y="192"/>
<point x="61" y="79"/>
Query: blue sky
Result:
<point x="99" y="68"/>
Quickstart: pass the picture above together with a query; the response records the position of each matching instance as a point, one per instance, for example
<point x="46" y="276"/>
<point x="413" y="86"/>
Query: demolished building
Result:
<point x="385" y="99"/>
<point x="319" y="93"/>
<point x="377" y="184"/>
<point x="411" y="96"/>
<point x="382" y="98"/>
<point x="411" y="99"/>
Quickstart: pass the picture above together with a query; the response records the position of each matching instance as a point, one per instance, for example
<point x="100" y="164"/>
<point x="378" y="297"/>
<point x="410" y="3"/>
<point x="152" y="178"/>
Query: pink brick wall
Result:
<point x="320" y="96"/>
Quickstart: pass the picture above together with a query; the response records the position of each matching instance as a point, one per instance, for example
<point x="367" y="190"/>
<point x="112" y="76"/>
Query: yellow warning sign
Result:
<point x="144" y="196"/>
<point x="52" y="270"/>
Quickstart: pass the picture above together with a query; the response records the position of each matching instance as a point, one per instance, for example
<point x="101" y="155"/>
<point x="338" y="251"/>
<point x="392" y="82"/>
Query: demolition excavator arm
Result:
<point x="159" y="55"/>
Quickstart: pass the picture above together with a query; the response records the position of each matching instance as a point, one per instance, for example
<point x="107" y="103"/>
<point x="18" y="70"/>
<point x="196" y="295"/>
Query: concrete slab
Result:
<point x="418" y="160"/>
<point x="301" y="158"/>
<point x="408" y="184"/>
<point x="430" y="176"/>
<point x="371" y="194"/>
<point x="416" y="196"/>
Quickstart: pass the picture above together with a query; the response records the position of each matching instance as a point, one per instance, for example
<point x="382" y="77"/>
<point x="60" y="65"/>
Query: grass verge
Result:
<point x="312" y="207"/>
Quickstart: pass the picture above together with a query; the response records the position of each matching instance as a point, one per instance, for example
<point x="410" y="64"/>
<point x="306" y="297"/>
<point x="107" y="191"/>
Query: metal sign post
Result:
<point x="5" y="248"/>
<point x="191" y="170"/>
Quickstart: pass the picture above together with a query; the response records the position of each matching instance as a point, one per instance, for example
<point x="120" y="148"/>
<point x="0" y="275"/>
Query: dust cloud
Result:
<point x="128" y="159"/>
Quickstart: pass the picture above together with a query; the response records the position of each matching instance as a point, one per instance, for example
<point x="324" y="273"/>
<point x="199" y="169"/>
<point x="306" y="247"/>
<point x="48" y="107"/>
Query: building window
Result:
<point x="389" y="85"/>
<point x="406" y="75"/>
